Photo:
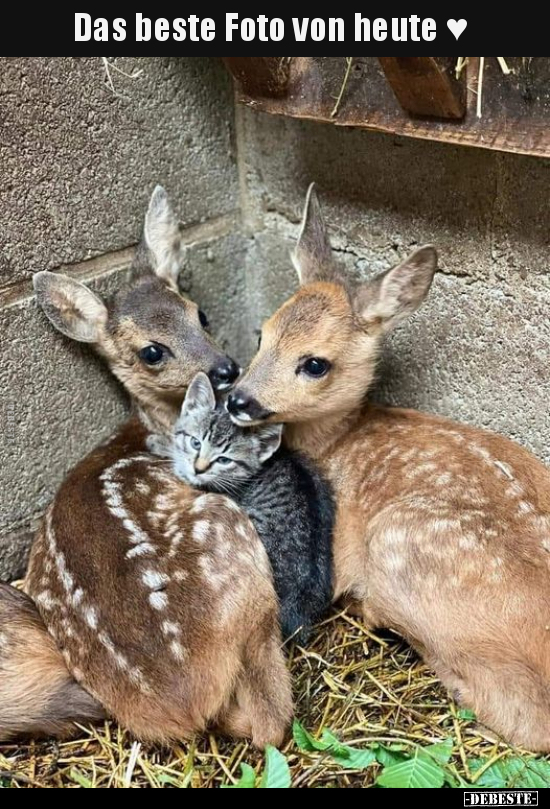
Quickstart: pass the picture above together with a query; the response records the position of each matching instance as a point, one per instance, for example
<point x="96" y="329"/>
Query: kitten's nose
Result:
<point x="245" y="408"/>
<point x="200" y="466"/>
<point x="224" y="373"/>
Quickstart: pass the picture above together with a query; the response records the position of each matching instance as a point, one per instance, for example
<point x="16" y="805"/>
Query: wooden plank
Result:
<point x="426" y="85"/>
<point x="515" y="109"/>
<point x="261" y="76"/>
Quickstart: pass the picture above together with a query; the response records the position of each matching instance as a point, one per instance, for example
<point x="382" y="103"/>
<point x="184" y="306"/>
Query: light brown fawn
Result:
<point x="159" y="598"/>
<point x="443" y="530"/>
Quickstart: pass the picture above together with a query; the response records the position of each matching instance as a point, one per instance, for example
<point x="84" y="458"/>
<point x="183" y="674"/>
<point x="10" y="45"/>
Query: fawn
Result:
<point x="443" y="530"/>
<point x="159" y="598"/>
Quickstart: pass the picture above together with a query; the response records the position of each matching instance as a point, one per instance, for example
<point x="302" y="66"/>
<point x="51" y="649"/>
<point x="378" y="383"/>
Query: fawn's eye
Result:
<point x="152" y="354"/>
<point x="224" y="461"/>
<point x="195" y="444"/>
<point x="315" y="367"/>
<point x="203" y="319"/>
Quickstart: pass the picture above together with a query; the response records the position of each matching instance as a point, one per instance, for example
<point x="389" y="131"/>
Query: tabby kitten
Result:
<point x="285" y="497"/>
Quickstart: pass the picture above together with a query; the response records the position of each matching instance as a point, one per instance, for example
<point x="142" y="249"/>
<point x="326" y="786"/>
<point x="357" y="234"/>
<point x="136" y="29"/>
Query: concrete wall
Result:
<point x="79" y="163"/>
<point x="479" y="349"/>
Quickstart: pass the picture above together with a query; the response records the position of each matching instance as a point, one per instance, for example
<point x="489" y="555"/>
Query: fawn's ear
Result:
<point x="270" y="438"/>
<point x="163" y="238"/>
<point x="200" y="395"/>
<point x="71" y="307"/>
<point x="397" y="293"/>
<point x="312" y="256"/>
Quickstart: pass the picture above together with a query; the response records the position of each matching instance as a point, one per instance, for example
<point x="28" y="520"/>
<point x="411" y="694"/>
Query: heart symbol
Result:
<point x="456" y="27"/>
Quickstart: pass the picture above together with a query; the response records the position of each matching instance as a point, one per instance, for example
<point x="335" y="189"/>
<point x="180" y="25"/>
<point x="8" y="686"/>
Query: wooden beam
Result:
<point x="426" y="85"/>
<point x="263" y="76"/>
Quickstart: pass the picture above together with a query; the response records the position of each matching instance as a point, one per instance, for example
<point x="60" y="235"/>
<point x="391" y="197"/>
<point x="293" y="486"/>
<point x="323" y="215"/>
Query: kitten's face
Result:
<point x="209" y="451"/>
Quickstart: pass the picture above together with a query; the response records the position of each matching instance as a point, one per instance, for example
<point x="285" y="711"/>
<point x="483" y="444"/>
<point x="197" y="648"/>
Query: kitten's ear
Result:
<point x="270" y="438"/>
<point x="200" y="395"/>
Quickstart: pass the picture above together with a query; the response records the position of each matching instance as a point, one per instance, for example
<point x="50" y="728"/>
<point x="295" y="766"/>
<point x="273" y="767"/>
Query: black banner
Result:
<point x="198" y="33"/>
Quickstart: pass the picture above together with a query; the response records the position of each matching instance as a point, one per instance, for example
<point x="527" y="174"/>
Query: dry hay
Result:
<point x="364" y="687"/>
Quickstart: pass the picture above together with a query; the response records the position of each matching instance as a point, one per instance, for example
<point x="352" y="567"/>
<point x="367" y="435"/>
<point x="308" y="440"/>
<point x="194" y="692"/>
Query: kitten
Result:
<point x="285" y="497"/>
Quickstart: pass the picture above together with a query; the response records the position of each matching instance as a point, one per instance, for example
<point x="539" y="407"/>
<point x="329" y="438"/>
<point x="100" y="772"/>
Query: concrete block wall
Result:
<point x="479" y="349"/>
<point x="79" y="163"/>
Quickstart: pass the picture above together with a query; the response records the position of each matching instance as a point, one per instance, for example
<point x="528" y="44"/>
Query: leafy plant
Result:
<point x="343" y="754"/>
<point x="276" y="774"/>
<point x="79" y="778"/>
<point x="513" y="773"/>
<point x="402" y="766"/>
<point x="419" y="772"/>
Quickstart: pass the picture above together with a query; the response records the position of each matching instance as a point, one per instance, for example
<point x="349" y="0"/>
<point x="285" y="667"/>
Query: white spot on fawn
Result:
<point x="170" y="628"/>
<point x="163" y="503"/>
<point x="113" y="498"/>
<point x="143" y="488"/>
<point x="121" y="661"/>
<point x="46" y="600"/>
<point x="178" y="651"/>
<point x="180" y="575"/>
<point x="201" y="530"/>
<point x="90" y="616"/>
<point x="106" y="641"/>
<point x="158" y="601"/>
<point x="515" y="489"/>
<point x="153" y="579"/>
<point x="177" y="539"/>
<point x="200" y="504"/>
<point x="242" y="532"/>
<point x="77" y="596"/>
<point x="525" y="508"/>
<point x="144" y="549"/>
<point x="505" y="469"/>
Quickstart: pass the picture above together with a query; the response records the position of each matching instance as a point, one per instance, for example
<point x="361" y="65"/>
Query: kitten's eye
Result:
<point x="195" y="443"/>
<point x="152" y="354"/>
<point x="259" y="342"/>
<point x="203" y="319"/>
<point x="223" y="461"/>
<point x="315" y="367"/>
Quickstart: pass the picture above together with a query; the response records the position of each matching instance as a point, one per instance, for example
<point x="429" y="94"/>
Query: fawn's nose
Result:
<point x="224" y="374"/>
<point x="245" y="408"/>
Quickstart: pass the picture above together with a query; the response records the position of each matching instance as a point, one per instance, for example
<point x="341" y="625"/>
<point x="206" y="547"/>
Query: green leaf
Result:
<point x="467" y="715"/>
<point x="419" y="772"/>
<point x="521" y="773"/>
<point x="334" y="746"/>
<point x="440" y="752"/>
<point x="387" y="755"/>
<point x="349" y="757"/>
<point x="305" y="741"/>
<point x="246" y="781"/>
<point x="79" y="778"/>
<point x="277" y="773"/>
